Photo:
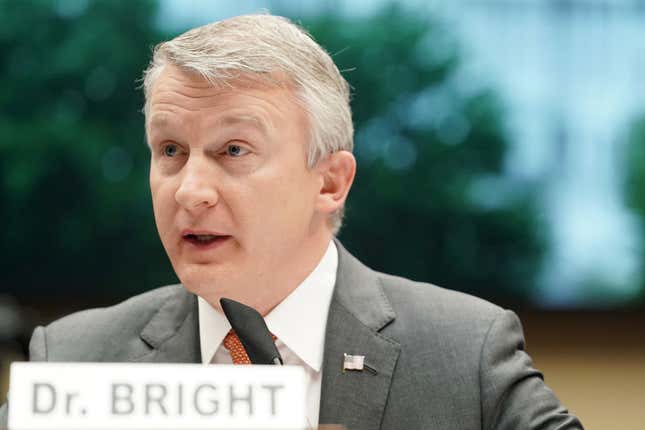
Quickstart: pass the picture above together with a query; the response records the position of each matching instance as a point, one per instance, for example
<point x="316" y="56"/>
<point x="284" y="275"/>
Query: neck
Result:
<point x="270" y="289"/>
<point x="293" y="274"/>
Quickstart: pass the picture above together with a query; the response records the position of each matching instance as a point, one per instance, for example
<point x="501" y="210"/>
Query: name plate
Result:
<point x="93" y="396"/>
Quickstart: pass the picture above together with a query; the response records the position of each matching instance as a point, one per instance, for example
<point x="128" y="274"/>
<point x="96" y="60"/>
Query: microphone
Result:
<point x="252" y="331"/>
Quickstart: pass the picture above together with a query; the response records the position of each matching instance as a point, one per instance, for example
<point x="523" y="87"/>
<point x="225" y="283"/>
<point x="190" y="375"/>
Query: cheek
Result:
<point x="155" y="184"/>
<point x="163" y="202"/>
<point x="288" y="202"/>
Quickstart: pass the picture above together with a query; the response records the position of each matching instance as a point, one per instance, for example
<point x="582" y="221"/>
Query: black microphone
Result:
<point x="252" y="331"/>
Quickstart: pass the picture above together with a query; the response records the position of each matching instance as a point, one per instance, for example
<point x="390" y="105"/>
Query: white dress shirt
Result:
<point x="299" y="323"/>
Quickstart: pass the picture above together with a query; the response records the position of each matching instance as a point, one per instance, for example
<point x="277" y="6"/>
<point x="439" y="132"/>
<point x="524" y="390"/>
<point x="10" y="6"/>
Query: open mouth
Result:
<point x="203" y="240"/>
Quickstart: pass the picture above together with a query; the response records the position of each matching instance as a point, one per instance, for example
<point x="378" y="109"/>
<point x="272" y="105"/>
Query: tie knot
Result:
<point x="234" y="345"/>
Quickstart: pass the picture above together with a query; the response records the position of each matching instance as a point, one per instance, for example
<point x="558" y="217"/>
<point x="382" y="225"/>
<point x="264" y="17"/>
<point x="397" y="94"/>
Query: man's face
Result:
<point x="234" y="201"/>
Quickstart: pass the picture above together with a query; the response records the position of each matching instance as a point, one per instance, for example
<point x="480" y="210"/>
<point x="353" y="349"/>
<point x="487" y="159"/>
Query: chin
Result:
<point x="204" y="282"/>
<point x="195" y="279"/>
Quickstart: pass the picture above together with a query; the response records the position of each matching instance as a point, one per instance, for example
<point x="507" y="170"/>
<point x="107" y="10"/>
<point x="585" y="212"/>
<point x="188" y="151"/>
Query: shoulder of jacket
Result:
<point x="129" y="315"/>
<point x="428" y="302"/>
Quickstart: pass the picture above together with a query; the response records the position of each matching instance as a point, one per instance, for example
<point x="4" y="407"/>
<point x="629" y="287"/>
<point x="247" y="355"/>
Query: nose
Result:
<point x="197" y="191"/>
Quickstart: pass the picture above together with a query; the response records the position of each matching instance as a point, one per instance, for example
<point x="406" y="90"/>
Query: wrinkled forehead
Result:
<point x="174" y="82"/>
<point x="241" y="100"/>
<point x="161" y="121"/>
<point x="220" y="80"/>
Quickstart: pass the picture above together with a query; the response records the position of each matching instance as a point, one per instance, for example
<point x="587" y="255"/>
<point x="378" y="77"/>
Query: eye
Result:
<point x="235" y="150"/>
<point x="170" y="150"/>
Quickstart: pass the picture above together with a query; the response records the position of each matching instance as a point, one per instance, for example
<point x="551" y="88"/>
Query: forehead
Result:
<point x="174" y="84"/>
<point x="179" y="98"/>
<point x="163" y="120"/>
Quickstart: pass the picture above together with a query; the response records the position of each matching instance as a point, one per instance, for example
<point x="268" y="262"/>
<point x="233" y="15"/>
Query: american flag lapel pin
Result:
<point x="353" y="362"/>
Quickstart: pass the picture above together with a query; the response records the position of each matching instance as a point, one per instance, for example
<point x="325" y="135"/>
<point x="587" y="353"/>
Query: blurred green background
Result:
<point x="434" y="199"/>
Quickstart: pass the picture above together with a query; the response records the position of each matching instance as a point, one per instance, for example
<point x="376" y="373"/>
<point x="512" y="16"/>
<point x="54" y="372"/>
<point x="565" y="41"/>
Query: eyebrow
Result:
<point x="257" y="122"/>
<point x="159" y="120"/>
<point x="163" y="121"/>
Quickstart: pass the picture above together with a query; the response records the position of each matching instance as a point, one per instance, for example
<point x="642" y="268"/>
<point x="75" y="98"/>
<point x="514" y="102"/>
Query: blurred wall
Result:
<point x="595" y="363"/>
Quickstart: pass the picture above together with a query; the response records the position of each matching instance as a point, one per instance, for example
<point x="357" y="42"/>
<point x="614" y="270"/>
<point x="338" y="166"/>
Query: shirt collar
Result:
<point x="213" y="327"/>
<point x="299" y="321"/>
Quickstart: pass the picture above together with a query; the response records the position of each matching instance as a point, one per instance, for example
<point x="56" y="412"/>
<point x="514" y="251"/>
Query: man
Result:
<point x="250" y="133"/>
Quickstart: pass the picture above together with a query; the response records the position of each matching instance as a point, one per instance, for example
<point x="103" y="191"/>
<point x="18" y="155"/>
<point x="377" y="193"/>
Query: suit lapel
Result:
<point x="359" y="310"/>
<point x="173" y="332"/>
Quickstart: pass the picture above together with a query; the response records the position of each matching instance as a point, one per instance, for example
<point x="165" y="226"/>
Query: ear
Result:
<point x="337" y="172"/>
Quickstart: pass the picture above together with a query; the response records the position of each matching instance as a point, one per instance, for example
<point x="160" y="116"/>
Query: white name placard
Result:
<point x="101" y="396"/>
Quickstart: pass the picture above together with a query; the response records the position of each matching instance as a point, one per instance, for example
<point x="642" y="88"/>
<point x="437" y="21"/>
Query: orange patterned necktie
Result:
<point x="234" y="345"/>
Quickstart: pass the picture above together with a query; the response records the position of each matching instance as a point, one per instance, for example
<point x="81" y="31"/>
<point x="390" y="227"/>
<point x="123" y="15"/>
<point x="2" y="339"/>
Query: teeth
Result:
<point x="205" y="237"/>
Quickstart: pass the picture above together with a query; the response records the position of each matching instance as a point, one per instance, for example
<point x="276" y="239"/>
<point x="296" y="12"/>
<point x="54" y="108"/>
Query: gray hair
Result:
<point x="263" y="45"/>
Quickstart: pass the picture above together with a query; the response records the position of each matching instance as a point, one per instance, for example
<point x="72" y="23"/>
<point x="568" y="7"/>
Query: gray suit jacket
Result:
<point x="443" y="360"/>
